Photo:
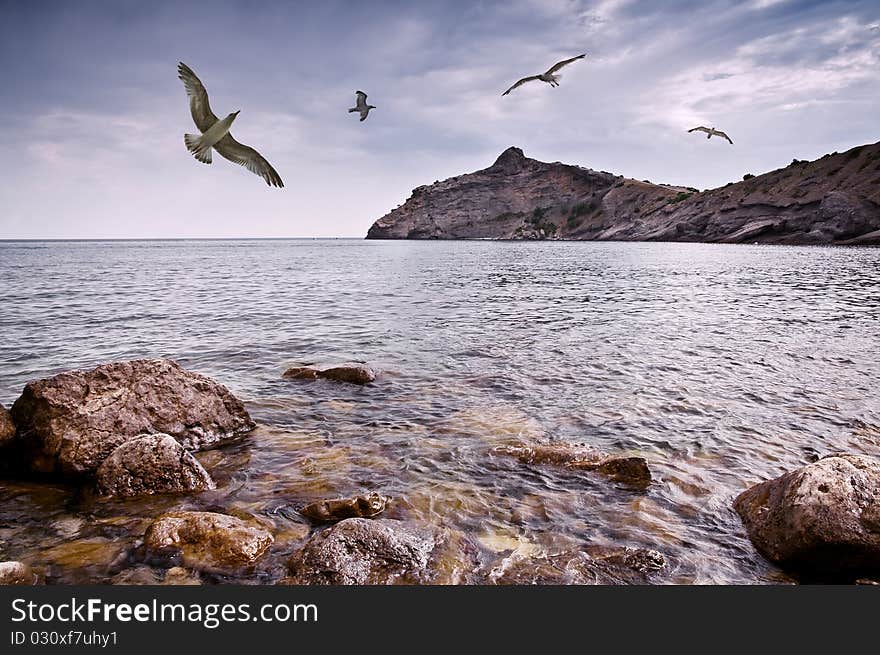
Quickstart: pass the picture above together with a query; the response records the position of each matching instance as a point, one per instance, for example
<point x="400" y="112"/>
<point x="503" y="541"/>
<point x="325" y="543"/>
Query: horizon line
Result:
<point x="20" y="239"/>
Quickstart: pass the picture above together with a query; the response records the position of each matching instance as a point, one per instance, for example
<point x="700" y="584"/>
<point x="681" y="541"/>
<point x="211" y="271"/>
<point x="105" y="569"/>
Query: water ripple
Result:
<point x="723" y="365"/>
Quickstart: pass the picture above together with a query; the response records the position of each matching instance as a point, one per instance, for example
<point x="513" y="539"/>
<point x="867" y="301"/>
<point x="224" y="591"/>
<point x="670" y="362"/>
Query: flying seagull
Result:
<point x="549" y="77"/>
<point x="216" y="134"/>
<point x="361" y="105"/>
<point x="711" y="131"/>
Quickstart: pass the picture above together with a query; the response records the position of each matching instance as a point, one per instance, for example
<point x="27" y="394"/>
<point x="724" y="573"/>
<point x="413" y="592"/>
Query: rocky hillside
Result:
<point x="835" y="199"/>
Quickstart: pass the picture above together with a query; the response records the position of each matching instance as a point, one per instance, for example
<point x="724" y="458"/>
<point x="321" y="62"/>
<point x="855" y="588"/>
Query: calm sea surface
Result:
<point x="722" y="365"/>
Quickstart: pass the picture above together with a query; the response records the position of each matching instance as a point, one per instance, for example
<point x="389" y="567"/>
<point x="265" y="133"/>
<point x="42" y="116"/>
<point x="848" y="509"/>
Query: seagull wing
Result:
<point x="564" y="62"/>
<point x="521" y="82"/>
<point x="199" y="107"/>
<point x="361" y="100"/>
<point x="723" y="136"/>
<point x="700" y="129"/>
<point x="249" y="158"/>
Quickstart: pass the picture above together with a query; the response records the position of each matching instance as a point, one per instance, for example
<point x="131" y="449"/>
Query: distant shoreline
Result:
<point x="471" y="239"/>
<point x="99" y="240"/>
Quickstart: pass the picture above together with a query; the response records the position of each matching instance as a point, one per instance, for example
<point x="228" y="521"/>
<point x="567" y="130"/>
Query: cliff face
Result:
<point x="835" y="199"/>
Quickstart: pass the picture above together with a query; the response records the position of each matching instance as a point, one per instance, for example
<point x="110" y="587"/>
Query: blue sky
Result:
<point x="94" y="115"/>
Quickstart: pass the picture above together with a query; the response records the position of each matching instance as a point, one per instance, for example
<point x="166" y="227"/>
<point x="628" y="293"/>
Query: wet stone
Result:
<point x="86" y="553"/>
<point x="151" y="464"/>
<point x="325" y="511"/>
<point x="629" y="470"/>
<point x="16" y="573"/>
<point x="206" y="541"/>
<point x="588" y="566"/>
<point x="381" y="552"/>
<point x="350" y="373"/>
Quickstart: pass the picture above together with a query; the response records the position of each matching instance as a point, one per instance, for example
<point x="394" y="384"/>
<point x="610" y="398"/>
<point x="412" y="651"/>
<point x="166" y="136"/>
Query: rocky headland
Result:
<point x="833" y="200"/>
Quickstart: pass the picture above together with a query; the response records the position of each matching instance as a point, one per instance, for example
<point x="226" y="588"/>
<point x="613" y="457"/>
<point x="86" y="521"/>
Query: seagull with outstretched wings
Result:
<point x="549" y="76"/>
<point x="711" y="131"/>
<point x="361" y="105"/>
<point x="215" y="132"/>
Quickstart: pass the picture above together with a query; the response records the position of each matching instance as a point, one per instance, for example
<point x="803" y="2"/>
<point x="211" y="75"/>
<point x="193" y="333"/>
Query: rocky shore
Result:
<point x="833" y="200"/>
<point x="126" y="431"/>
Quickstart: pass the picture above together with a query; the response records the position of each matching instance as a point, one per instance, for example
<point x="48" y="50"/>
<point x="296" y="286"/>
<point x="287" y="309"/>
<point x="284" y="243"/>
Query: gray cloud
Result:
<point x="95" y="114"/>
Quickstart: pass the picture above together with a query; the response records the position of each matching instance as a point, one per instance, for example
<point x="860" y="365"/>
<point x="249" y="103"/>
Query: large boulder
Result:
<point x="590" y="566"/>
<point x="151" y="464"/>
<point x="16" y="573"/>
<point x="206" y="541"/>
<point x="622" y="468"/>
<point x="71" y="422"/>
<point x="351" y="373"/>
<point x="821" y="521"/>
<point x="379" y="552"/>
<point x="7" y="427"/>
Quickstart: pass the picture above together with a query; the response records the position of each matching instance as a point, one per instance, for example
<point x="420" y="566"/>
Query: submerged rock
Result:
<point x="71" y="422"/>
<point x="7" y="427"/>
<point x="346" y="508"/>
<point x="16" y="573"/>
<point x="151" y="464"/>
<point x="352" y="373"/>
<point x="591" y="566"/>
<point x="179" y="577"/>
<point x="87" y="554"/>
<point x="821" y="521"/>
<point x="631" y="470"/>
<point x="140" y="575"/>
<point x="380" y="552"/>
<point x="144" y="575"/>
<point x="207" y="541"/>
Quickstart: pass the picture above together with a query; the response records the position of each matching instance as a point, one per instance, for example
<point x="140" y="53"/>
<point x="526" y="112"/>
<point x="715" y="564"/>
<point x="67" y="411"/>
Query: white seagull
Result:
<point x="216" y="134"/>
<point x="549" y="77"/>
<point x="361" y="105"/>
<point x="711" y="131"/>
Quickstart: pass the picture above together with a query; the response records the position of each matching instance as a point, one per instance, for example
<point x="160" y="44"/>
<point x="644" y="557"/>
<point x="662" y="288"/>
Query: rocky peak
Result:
<point x="509" y="161"/>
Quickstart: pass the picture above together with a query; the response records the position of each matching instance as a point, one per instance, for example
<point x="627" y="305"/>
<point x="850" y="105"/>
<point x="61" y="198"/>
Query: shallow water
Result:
<point x="723" y="365"/>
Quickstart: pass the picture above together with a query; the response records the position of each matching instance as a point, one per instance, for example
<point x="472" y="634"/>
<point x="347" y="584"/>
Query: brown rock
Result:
<point x="16" y="573"/>
<point x="71" y="422"/>
<point x="84" y="555"/>
<point x="7" y="427"/>
<point x="351" y="373"/>
<point x="337" y="509"/>
<point x="151" y="464"/>
<point x="591" y="566"/>
<point x="140" y="575"/>
<point x="380" y="552"/>
<point x="630" y="470"/>
<point x="145" y="575"/>
<point x="819" y="521"/>
<point x="180" y="577"/>
<point x="207" y="541"/>
<point x="301" y="373"/>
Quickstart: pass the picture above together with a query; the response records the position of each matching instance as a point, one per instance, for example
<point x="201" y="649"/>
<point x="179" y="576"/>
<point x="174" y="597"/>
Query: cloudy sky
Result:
<point x="94" y="115"/>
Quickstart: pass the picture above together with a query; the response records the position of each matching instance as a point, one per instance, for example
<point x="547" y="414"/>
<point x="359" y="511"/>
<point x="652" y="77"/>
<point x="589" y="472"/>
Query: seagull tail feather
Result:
<point x="197" y="148"/>
<point x="352" y="109"/>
